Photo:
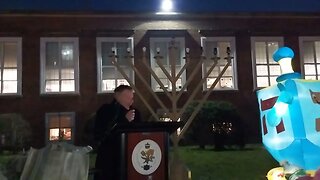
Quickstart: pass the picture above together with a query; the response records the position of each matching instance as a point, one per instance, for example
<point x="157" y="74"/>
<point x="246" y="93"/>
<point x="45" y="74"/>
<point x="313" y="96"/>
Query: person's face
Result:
<point x="125" y="98"/>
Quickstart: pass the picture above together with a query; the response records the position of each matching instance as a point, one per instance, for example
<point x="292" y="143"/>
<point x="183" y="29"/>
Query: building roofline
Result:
<point x="233" y="15"/>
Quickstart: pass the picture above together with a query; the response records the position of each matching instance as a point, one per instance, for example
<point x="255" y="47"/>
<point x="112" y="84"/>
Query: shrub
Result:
<point x="15" y="132"/>
<point x="216" y="123"/>
<point x="88" y="132"/>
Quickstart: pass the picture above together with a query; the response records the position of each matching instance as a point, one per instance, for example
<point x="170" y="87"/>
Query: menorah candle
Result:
<point x="113" y="49"/>
<point x="216" y="51"/>
<point x="228" y="50"/>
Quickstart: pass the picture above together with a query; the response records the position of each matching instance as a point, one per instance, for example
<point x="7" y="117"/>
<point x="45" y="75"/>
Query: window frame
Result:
<point x="43" y="41"/>
<point x="167" y="39"/>
<point x="47" y="128"/>
<point x="99" y="41"/>
<point x="232" y="41"/>
<point x="302" y="39"/>
<point x="254" y="39"/>
<point x="18" y="40"/>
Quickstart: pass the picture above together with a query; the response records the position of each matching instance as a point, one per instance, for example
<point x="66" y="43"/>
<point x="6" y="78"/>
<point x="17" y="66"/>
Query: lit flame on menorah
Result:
<point x="174" y="113"/>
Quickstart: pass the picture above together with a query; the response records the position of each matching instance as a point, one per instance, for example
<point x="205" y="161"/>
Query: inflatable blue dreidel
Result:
<point x="290" y="116"/>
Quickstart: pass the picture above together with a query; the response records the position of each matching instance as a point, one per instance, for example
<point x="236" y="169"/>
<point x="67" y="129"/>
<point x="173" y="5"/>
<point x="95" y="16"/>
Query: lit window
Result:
<point x="10" y="66"/>
<point x="59" y="65"/>
<point x="60" y="126"/>
<point x="228" y="80"/>
<point x="162" y="46"/>
<point x="265" y="69"/>
<point x="108" y="75"/>
<point x="310" y="57"/>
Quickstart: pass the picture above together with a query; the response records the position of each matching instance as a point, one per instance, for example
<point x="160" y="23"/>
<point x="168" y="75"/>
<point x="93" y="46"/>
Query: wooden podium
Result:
<point x="144" y="150"/>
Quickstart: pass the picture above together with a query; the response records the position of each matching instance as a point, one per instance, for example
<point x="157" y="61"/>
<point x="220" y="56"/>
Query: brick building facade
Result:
<point x="48" y="101"/>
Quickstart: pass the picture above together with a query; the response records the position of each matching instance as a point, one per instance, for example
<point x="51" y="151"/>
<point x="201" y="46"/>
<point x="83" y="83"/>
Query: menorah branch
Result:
<point x="184" y="67"/>
<point x="135" y="89"/>
<point x="198" y="107"/>
<point x="148" y="87"/>
<point x="198" y="87"/>
<point x="164" y="70"/>
<point x="156" y="78"/>
<point x="193" y="74"/>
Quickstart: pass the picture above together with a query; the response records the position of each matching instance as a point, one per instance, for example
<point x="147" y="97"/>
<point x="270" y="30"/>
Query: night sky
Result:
<point x="143" y="6"/>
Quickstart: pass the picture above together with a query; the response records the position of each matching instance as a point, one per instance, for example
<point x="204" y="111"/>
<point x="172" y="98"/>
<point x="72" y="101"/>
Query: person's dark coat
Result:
<point x="107" y="159"/>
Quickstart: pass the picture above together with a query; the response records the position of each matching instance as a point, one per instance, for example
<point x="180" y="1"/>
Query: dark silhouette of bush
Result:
<point x="88" y="132"/>
<point x="216" y="123"/>
<point x="15" y="132"/>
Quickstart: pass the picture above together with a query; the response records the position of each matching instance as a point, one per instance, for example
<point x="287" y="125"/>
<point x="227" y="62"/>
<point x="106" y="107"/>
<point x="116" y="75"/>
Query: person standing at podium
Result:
<point x="120" y="110"/>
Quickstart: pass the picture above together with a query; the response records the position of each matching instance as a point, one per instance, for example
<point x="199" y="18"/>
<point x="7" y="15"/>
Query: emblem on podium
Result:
<point x="146" y="157"/>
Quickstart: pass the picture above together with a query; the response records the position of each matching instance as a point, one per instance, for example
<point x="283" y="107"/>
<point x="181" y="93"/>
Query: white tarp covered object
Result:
<point x="57" y="161"/>
<point x="2" y="176"/>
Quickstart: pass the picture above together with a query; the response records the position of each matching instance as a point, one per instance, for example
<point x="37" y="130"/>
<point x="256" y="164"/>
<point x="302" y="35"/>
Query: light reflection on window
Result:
<point x="109" y="76"/>
<point x="162" y="46"/>
<point x="57" y="134"/>
<point x="266" y="69"/>
<point x="60" y="126"/>
<point x="311" y="58"/>
<point x="9" y="66"/>
<point x="60" y="65"/>
<point x="217" y="46"/>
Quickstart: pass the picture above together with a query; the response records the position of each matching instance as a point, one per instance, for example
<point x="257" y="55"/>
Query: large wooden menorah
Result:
<point x="174" y="112"/>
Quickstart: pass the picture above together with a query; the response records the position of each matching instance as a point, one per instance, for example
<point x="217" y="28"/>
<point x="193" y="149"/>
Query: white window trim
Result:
<point x="99" y="41"/>
<point x="18" y="40"/>
<point x="153" y="54"/>
<point x="43" y="41"/>
<point x="232" y="41"/>
<point x="253" y="54"/>
<point x="73" y="122"/>
<point x="301" y="40"/>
